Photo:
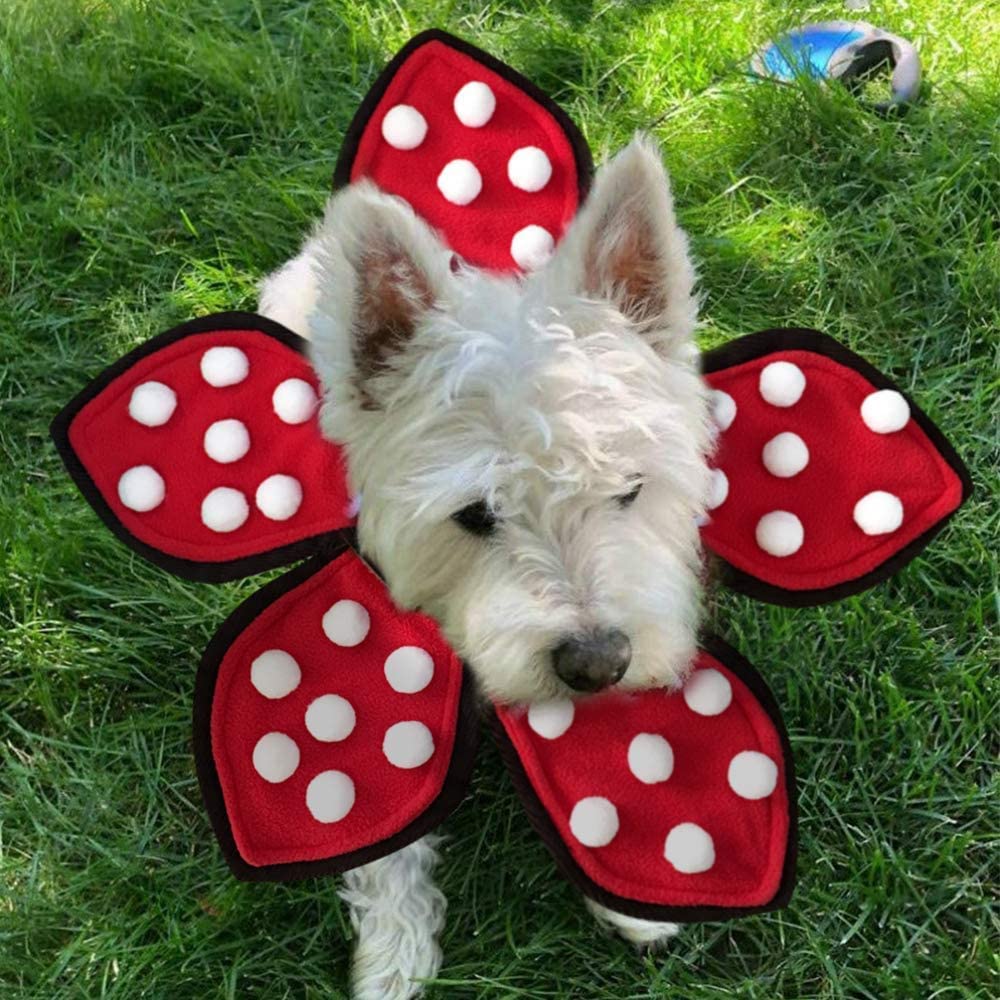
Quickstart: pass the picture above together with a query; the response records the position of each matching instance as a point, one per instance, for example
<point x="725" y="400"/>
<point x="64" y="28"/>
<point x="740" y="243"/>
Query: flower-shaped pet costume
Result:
<point x="332" y="728"/>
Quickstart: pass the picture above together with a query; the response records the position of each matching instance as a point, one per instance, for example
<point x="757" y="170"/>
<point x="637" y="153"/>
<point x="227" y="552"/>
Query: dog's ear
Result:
<point x="625" y="247"/>
<point x="381" y="270"/>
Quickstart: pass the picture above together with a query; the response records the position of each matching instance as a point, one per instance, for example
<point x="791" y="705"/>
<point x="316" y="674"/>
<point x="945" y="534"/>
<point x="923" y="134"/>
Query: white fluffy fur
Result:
<point x="547" y="396"/>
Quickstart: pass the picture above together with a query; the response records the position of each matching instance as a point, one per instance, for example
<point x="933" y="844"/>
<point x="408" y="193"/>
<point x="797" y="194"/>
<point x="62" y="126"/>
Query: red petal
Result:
<point x="847" y="461"/>
<point x="267" y="828"/>
<point x="100" y="441"/>
<point x="753" y="840"/>
<point x="426" y="75"/>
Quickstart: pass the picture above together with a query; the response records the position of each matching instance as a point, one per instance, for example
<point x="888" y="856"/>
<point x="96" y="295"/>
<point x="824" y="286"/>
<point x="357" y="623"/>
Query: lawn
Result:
<point x="159" y="158"/>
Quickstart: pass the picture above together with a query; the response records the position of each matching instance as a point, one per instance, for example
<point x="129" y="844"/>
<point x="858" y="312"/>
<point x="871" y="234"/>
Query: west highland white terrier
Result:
<point x="531" y="454"/>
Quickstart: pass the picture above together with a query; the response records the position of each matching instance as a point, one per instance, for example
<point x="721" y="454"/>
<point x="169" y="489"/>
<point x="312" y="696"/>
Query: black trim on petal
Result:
<point x="756" y="345"/>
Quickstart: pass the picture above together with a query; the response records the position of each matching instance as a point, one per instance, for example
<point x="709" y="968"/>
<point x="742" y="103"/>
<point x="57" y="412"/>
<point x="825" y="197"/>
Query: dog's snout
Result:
<point x="592" y="661"/>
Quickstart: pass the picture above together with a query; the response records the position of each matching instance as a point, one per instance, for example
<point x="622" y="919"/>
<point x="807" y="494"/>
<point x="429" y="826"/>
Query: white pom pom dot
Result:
<point x="403" y="127"/>
<point x="723" y="409"/>
<point x="330" y="718"/>
<point x="222" y="366"/>
<point x="550" y="719"/>
<point x="330" y="796"/>
<point x="409" y="669"/>
<point x="152" y="404"/>
<point x="782" y="383"/>
<point x="276" y="757"/>
<point x="594" y="821"/>
<point x="650" y="758"/>
<point x="474" y="104"/>
<point x="785" y="455"/>
<point x="718" y="489"/>
<point x="885" y="411"/>
<point x="275" y="673"/>
<point x="752" y="775"/>
<point x="224" y="509"/>
<point x="459" y="182"/>
<point x="531" y="247"/>
<point x="294" y="401"/>
<point x="408" y="744"/>
<point x="278" y="497"/>
<point x="529" y="169"/>
<point x="346" y="623"/>
<point x="227" y="441"/>
<point x="878" y="513"/>
<point x="708" y="692"/>
<point x="141" y="488"/>
<point x="780" y="533"/>
<point x="689" y="849"/>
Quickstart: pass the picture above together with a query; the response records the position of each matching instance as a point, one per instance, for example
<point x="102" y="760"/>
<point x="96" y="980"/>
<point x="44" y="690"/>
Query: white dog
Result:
<point x="532" y="459"/>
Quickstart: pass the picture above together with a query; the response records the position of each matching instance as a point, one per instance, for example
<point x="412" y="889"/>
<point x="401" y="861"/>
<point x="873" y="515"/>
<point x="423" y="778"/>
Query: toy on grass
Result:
<point x="332" y="728"/>
<point x="849" y="51"/>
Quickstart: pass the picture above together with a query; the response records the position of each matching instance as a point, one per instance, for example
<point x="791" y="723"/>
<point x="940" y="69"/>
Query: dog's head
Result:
<point x="531" y="452"/>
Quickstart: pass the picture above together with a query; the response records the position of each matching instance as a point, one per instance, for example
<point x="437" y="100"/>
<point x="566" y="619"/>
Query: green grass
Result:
<point x="158" y="159"/>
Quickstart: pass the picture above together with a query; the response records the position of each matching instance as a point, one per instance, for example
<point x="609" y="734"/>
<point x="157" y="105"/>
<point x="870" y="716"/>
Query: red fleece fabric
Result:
<point x="271" y="822"/>
<point x="847" y="461"/>
<point x="482" y="230"/>
<point x="108" y="442"/>
<point x="591" y="758"/>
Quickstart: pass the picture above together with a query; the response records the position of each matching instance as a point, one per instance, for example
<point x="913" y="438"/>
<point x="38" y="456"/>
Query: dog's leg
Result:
<point x="289" y="294"/>
<point x="643" y="933"/>
<point x="397" y="912"/>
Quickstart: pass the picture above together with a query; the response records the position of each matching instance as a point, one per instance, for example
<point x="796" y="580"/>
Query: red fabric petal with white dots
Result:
<point x="476" y="149"/>
<point x="829" y="478"/>
<point x="202" y="450"/>
<point x="331" y="728"/>
<point x="664" y="805"/>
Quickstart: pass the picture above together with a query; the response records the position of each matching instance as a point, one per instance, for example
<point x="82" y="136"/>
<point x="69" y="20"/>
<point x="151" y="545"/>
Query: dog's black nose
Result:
<point x="594" y="660"/>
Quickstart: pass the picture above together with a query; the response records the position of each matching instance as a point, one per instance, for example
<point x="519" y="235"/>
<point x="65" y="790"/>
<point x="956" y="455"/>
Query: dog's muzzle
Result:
<point x="592" y="661"/>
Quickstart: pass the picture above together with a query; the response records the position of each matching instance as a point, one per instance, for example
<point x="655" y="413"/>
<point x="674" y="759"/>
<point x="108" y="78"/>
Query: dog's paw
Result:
<point x="646" y="935"/>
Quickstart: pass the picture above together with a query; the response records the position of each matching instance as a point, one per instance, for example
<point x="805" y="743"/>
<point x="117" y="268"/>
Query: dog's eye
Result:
<point x="627" y="499"/>
<point x="477" y="518"/>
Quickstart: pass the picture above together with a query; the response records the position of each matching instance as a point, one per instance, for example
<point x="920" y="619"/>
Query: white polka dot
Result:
<point x="752" y="775"/>
<point x="885" y="411"/>
<point x="785" y="455"/>
<point x="689" y="849"/>
<point x="294" y="401"/>
<point x="718" y="489"/>
<point x="531" y="247"/>
<point x="330" y="718"/>
<point x="780" y="533"/>
<point x="330" y="796"/>
<point x="275" y="673"/>
<point x="403" y="127"/>
<point x="594" y="821"/>
<point x="474" y="104"/>
<point x="222" y="366"/>
<point x="224" y="509"/>
<point x="409" y="669"/>
<point x="529" y="169"/>
<point x="346" y="623"/>
<point x="275" y="757"/>
<point x="650" y="758"/>
<point x="708" y="692"/>
<point x="878" y="513"/>
<point x="278" y="497"/>
<point x="408" y="745"/>
<point x="227" y="441"/>
<point x="782" y="383"/>
<point x="723" y="409"/>
<point x="460" y="182"/>
<point x="152" y="404"/>
<point x="550" y="719"/>
<point x="141" y="488"/>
